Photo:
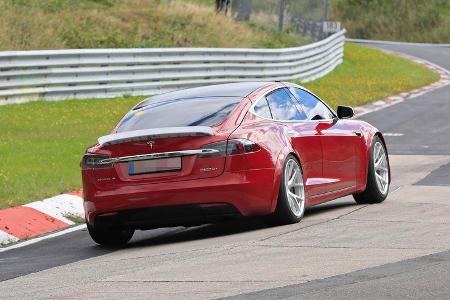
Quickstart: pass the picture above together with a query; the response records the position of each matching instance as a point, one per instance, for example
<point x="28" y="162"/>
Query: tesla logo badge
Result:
<point x="151" y="144"/>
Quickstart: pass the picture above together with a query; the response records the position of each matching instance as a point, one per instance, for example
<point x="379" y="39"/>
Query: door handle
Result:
<point x="357" y="133"/>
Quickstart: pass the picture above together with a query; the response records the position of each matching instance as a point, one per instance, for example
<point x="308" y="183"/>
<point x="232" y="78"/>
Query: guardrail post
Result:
<point x="281" y="15"/>
<point x="325" y="18"/>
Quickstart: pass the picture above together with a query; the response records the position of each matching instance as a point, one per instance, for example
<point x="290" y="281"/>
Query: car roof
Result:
<point x="238" y="89"/>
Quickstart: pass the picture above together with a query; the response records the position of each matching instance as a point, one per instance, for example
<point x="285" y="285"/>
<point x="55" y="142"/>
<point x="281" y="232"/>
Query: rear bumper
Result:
<point x="246" y="193"/>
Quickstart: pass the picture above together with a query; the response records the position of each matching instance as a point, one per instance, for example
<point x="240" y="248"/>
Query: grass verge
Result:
<point x="76" y="219"/>
<point x="367" y="75"/>
<point x="60" y="24"/>
<point x="41" y="143"/>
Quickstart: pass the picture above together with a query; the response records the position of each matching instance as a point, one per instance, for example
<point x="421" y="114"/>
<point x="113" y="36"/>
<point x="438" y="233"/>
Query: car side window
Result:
<point x="313" y="107"/>
<point x="283" y="107"/>
<point x="262" y="109"/>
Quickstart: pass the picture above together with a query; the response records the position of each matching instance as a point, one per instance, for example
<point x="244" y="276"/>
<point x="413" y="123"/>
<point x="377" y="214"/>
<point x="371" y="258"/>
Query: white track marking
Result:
<point x="61" y="206"/>
<point x="6" y="238"/>
<point x="45" y="237"/>
<point x="396" y="43"/>
<point x="58" y="207"/>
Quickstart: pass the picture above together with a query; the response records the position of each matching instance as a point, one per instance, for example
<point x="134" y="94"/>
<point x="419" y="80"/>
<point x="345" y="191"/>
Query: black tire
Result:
<point x="110" y="237"/>
<point x="372" y="194"/>
<point x="283" y="213"/>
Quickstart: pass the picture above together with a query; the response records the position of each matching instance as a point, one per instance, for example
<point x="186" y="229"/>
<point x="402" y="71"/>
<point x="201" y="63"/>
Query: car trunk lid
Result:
<point x="162" y="154"/>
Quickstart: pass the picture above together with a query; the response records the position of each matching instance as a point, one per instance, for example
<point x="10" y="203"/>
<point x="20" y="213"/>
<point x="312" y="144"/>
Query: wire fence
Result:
<point x="304" y="17"/>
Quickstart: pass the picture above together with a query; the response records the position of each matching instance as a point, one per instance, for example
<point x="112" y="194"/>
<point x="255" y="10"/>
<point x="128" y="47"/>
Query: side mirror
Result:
<point x="345" y="112"/>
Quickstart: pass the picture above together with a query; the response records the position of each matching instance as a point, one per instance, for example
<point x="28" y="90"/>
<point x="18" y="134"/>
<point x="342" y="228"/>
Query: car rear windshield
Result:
<point x="179" y="113"/>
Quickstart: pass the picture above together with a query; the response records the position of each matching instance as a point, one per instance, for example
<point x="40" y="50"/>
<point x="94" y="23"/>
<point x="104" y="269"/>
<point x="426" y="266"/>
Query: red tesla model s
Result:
<point x="210" y="153"/>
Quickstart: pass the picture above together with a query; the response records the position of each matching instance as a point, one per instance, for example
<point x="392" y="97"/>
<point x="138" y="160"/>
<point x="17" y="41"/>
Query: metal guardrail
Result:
<point x="102" y="73"/>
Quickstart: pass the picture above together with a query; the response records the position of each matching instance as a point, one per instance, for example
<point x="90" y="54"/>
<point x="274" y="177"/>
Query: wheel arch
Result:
<point x="278" y="171"/>
<point x="368" y="146"/>
<point x="381" y="137"/>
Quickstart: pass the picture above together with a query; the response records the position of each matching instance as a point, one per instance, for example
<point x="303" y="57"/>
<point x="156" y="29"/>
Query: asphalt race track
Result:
<point x="397" y="249"/>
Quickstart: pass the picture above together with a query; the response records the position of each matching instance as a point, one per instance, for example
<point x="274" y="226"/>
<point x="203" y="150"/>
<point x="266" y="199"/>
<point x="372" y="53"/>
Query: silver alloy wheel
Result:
<point x="380" y="167"/>
<point x="295" y="192"/>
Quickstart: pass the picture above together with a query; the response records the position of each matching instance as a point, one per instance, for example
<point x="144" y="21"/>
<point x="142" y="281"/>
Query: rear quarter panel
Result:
<point x="271" y="137"/>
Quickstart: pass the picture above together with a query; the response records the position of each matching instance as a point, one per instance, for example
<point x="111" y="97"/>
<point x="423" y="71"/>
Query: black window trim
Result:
<point x="318" y="98"/>
<point x="252" y="111"/>
<point x="252" y="108"/>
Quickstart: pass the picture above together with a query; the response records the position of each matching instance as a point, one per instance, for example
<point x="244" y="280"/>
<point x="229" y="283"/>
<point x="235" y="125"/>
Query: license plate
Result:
<point x="160" y="165"/>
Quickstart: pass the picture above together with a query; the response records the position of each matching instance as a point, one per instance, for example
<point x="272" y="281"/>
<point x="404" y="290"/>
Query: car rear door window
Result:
<point x="313" y="107"/>
<point x="283" y="108"/>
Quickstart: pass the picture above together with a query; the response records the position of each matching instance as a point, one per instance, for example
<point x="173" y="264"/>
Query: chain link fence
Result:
<point x="304" y="17"/>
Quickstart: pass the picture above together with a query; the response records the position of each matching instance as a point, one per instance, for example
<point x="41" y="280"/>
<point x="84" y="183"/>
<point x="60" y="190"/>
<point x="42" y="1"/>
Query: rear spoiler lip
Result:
<point x="145" y="134"/>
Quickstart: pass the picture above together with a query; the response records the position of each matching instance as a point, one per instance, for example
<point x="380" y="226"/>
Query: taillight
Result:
<point x="94" y="161"/>
<point x="231" y="147"/>
<point x="240" y="146"/>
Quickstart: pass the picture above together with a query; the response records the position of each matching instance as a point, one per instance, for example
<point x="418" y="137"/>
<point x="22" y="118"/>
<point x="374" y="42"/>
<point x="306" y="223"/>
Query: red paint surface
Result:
<point x="77" y="193"/>
<point x="25" y="222"/>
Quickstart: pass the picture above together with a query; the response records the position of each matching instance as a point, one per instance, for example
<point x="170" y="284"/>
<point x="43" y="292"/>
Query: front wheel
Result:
<point x="110" y="237"/>
<point x="291" y="198"/>
<point x="377" y="177"/>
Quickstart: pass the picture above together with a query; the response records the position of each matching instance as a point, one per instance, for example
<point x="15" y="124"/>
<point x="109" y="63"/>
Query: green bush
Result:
<point x="406" y="20"/>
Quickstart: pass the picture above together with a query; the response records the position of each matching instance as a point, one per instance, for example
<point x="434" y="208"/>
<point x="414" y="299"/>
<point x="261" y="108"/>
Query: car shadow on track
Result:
<point x="183" y="234"/>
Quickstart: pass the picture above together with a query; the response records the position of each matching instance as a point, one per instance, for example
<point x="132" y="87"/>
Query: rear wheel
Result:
<point x="291" y="198"/>
<point x="377" y="177"/>
<point x="110" y="237"/>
